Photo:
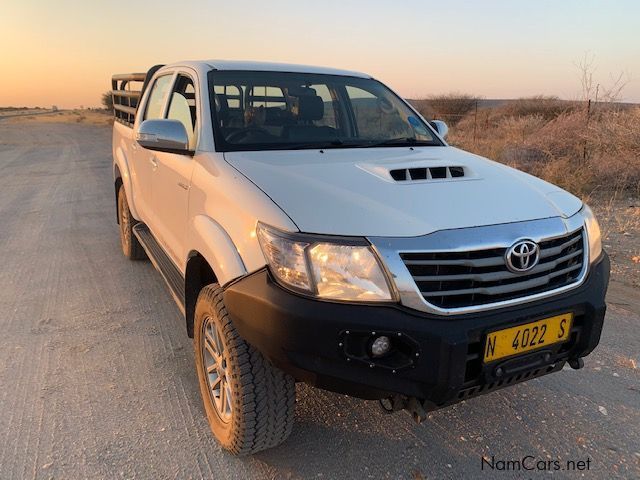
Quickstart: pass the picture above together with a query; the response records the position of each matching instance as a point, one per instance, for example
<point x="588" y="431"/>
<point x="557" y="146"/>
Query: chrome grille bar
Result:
<point x="485" y="277"/>
<point x="515" y="287"/>
<point x="461" y="271"/>
<point x="480" y="262"/>
<point x="496" y="276"/>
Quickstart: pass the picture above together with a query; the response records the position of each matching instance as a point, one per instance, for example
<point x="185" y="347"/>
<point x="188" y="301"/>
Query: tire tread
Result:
<point x="135" y="251"/>
<point x="264" y="405"/>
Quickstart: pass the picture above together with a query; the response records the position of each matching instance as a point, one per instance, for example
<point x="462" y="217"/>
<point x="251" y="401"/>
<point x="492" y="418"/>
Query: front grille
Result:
<point x="479" y="277"/>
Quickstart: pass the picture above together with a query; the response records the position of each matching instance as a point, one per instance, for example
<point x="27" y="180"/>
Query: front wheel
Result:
<point x="249" y="402"/>
<point x="130" y="245"/>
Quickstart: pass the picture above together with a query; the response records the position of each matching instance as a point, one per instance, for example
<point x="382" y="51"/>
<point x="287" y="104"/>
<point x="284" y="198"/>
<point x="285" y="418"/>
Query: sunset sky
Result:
<point x="63" y="52"/>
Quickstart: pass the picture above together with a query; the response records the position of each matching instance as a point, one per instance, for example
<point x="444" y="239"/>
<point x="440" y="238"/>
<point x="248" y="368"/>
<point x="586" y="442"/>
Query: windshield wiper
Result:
<point x="319" y="145"/>
<point x="337" y="143"/>
<point x="398" y="142"/>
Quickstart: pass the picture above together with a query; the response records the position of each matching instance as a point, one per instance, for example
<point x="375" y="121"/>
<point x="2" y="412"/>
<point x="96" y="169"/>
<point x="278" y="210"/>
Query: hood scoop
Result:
<point x="426" y="173"/>
<point x="420" y="172"/>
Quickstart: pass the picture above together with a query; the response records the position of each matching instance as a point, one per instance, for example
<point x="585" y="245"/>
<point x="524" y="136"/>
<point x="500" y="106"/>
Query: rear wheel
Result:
<point x="130" y="245"/>
<point x="249" y="402"/>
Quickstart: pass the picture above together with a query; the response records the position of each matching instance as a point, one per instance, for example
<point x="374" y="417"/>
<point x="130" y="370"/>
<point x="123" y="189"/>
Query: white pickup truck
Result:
<point x="313" y="227"/>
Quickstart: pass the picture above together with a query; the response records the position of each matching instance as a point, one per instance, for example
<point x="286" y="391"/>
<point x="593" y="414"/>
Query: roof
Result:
<point x="269" y="67"/>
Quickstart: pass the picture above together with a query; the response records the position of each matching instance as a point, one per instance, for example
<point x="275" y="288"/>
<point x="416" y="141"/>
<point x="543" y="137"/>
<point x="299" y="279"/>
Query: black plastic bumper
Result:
<point x="436" y="359"/>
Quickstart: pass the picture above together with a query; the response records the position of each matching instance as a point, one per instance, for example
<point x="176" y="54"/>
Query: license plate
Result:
<point x="527" y="337"/>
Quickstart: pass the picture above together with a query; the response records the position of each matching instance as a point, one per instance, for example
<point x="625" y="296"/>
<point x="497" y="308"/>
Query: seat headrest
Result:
<point x="310" y="107"/>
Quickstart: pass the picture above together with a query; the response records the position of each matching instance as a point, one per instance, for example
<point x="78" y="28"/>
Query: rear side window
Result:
<point x="157" y="97"/>
<point x="183" y="107"/>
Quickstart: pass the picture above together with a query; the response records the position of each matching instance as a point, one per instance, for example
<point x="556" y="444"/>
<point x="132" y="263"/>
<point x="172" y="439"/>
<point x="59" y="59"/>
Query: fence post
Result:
<point x="475" y="124"/>
<point x="584" y="147"/>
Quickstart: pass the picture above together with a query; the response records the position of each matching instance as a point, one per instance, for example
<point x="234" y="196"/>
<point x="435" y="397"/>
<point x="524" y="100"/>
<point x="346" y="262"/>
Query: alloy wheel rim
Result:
<point x="216" y="369"/>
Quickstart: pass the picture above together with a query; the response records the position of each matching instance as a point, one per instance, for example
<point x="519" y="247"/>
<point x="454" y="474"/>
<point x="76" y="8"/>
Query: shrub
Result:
<point x="546" y="107"/>
<point x="451" y="107"/>
<point x="599" y="152"/>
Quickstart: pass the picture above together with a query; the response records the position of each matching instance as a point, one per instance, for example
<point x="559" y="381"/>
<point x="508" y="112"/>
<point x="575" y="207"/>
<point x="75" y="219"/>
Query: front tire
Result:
<point x="249" y="403"/>
<point x="130" y="245"/>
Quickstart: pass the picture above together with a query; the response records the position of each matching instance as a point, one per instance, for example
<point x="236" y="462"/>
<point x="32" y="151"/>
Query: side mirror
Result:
<point x="163" y="135"/>
<point x="440" y="127"/>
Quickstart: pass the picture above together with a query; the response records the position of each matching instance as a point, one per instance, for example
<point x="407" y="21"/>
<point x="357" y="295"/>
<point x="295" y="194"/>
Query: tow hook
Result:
<point x="417" y="411"/>
<point x="412" y="405"/>
<point x="392" y="404"/>
<point x="576" y="363"/>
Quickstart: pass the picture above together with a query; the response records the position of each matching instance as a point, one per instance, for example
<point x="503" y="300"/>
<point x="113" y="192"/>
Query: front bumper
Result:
<point x="438" y="359"/>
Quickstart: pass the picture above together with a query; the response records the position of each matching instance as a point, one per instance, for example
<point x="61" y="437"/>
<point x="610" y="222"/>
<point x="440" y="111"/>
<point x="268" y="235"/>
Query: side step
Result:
<point x="162" y="262"/>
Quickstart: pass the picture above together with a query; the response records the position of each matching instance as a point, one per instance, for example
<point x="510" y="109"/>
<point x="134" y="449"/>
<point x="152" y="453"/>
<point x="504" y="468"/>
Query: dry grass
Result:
<point x="89" y="117"/>
<point x="451" y="107"/>
<point x="542" y="106"/>
<point x="560" y="142"/>
<point x="619" y="218"/>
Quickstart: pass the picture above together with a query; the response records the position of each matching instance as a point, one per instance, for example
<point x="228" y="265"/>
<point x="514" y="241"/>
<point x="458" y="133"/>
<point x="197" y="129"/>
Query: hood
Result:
<point x="353" y="191"/>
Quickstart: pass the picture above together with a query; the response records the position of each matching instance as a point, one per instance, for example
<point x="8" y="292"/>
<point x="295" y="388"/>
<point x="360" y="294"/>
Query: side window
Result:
<point x="376" y="117"/>
<point x="157" y="96"/>
<point x="183" y="107"/>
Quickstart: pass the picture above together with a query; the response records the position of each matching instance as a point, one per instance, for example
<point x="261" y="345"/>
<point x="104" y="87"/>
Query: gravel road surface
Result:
<point x="97" y="376"/>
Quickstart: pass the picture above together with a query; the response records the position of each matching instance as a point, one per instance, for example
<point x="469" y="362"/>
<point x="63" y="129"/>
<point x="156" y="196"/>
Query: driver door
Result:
<point x="172" y="178"/>
<point x="144" y="161"/>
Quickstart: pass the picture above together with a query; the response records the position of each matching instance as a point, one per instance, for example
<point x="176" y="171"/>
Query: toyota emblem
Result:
<point x="522" y="256"/>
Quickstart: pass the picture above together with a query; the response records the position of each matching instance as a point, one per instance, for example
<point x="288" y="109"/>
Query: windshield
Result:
<point x="287" y="111"/>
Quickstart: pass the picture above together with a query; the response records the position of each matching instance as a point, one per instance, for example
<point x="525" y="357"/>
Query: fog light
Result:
<point x="380" y="346"/>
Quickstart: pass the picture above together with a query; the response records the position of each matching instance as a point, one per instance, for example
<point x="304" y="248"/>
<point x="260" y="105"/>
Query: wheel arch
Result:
<point x="122" y="176"/>
<point x="212" y="258"/>
<point x="117" y="183"/>
<point x="198" y="274"/>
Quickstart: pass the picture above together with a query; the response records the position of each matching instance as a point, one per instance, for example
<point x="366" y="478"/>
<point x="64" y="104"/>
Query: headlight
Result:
<point x="286" y="258"/>
<point x="593" y="233"/>
<point x="336" y="271"/>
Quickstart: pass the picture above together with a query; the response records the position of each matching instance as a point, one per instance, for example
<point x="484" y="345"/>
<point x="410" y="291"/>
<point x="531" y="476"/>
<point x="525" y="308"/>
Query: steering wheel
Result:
<point x="260" y="133"/>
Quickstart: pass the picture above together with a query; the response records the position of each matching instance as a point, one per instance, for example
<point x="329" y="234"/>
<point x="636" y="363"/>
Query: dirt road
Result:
<point x="97" y="377"/>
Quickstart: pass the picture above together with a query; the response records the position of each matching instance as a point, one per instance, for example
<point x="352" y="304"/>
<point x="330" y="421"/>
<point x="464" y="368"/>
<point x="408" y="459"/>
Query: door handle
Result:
<point x="184" y="186"/>
<point x="154" y="163"/>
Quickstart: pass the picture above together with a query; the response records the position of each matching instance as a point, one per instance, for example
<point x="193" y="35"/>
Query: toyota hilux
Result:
<point x="313" y="227"/>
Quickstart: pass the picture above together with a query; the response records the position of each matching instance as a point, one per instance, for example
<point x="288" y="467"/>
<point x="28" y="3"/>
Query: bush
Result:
<point x="451" y="107"/>
<point x="564" y="146"/>
<point x="546" y="107"/>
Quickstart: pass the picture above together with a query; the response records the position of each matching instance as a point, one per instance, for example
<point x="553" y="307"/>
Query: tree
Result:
<point x="610" y="93"/>
<point x="107" y="100"/>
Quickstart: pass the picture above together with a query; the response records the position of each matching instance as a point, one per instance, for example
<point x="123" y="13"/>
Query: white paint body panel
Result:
<point x="340" y="192"/>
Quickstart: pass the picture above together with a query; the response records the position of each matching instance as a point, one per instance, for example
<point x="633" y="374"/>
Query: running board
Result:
<point x="162" y="263"/>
